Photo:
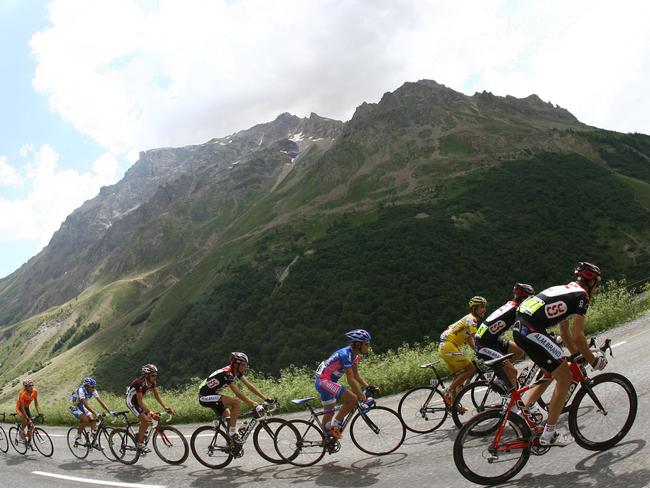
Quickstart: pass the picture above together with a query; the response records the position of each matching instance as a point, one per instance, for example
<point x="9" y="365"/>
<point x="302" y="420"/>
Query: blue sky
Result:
<point x="87" y="84"/>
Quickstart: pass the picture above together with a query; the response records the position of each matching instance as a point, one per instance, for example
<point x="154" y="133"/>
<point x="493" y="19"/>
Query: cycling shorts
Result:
<point x="214" y="403"/>
<point x="329" y="391"/>
<point x="20" y="414"/>
<point x="78" y="410"/>
<point x="453" y="357"/>
<point x="492" y="349"/>
<point x="133" y="405"/>
<point x="538" y="345"/>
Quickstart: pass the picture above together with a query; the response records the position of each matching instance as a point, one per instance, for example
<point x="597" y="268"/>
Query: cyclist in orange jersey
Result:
<point x="25" y="398"/>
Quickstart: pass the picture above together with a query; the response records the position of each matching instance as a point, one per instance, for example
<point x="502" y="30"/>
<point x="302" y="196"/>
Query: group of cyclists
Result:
<point x="529" y="315"/>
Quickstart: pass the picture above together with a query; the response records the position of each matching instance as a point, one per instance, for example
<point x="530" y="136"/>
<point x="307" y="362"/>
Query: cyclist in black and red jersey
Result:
<point x="135" y="392"/>
<point x="488" y="341"/>
<point x="210" y="395"/>
<point x="557" y="305"/>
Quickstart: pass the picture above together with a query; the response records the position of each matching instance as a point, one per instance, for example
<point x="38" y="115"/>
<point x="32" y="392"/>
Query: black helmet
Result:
<point x="587" y="271"/>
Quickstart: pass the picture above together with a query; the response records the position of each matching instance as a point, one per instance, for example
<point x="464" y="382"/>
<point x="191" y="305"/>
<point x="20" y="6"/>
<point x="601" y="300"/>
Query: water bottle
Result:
<point x="242" y="429"/>
<point x="522" y="376"/>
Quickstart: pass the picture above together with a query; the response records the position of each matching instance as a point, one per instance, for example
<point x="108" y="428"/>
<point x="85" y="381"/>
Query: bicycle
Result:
<point x="4" y="441"/>
<point x="423" y="409"/>
<point x="172" y="449"/>
<point x="374" y="430"/>
<point x="81" y="445"/>
<point x="213" y="447"/>
<point x="495" y="445"/>
<point x="39" y="440"/>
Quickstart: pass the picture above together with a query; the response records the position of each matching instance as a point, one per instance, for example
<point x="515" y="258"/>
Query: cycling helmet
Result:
<point x="522" y="290"/>
<point x="358" y="335"/>
<point x="149" y="368"/>
<point x="28" y="382"/>
<point x="238" y="357"/>
<point x="587" y="271"/>
<point x="477" y="300"/>
<point x="88" y="381"/>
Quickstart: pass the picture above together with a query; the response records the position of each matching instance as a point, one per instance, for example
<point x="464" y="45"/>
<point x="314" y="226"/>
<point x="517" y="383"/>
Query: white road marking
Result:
<point x="96" y="482"/>
<point x="619" y="344"/>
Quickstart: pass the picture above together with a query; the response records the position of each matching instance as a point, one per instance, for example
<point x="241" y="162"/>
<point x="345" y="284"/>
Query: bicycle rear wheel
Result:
<point x="4" y="441"/>
<point x="377" y="431"/>
<point x="78" y="447"/>
<point x="264" y="439"/>
<point x="300" y="443"/>
<point x="210" y="447"/>
<point x="476" y="397"/>
<point x="487" y="458"/>
<point x="603" y="411"/>
<point x="17" y="441"/>
<point x="41" y="440"/>
<point x="123" y="446"/>
<point x="170" y="445"/>
<point x="422" y="409"/>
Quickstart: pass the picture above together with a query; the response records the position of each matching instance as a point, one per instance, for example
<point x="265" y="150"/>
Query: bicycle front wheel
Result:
<point x="105" y="443"/>
<point x="489" y="456"/>
<point x="422" y="409"/>
<point x="377" y="431"/>
<point x="210" y="447"/>
<point x="17" y="441"/>
<point x="123" y="446"/>
<point x="264" y="439"/>
<point x="475" y="398"/>
<point x="41" y="440"/>
<point x="4" y="441"/>
<point x="170" y="445"/>
<point x="79" y="447"/>
<point x="603" y="411"/>
<point x="300" y="443"/>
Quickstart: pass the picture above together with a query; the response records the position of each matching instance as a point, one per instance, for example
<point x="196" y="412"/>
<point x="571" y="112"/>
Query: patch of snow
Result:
<point x="296" y="137"/>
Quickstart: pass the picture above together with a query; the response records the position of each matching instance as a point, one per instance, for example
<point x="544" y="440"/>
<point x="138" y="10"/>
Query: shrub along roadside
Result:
<point x="394" y="371"/>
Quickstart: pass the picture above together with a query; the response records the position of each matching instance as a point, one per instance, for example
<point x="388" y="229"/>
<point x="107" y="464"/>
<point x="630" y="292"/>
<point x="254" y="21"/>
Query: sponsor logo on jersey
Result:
<point x="553" y="310"/>
<point x="497" y="326"/>
<point x="212" y="383"/>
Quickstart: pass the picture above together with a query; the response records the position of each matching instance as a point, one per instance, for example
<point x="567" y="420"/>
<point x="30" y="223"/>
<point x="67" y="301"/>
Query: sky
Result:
<point x="86" y="85"/>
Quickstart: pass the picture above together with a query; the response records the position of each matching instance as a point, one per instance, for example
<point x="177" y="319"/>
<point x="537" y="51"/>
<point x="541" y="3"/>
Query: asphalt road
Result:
<point x="423" y="460"/>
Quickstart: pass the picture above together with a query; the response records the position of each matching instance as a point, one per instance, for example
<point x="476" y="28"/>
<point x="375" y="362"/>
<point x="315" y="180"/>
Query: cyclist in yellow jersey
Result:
<point x="451" y="340"/>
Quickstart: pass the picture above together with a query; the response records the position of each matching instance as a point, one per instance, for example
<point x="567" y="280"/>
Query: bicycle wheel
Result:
<point x="377" y="431"/>
<point x="264" y="439"/>
<point x="170" y="445"/>
<point x="41" y="440"/>
<point x="210" y="447"/>
<point x="4" y="441"/>
<point x="476" y="397"/>
<point x="486" y="459"/>
<point x="422" y="409"/>
<point x="17" y="441"/>
<point x="123" y="446"/>
<point x="105" y="444"/>
<point x="300" y="442"/>
<point x="78" y="447"/>
<point x="603" y="411"/>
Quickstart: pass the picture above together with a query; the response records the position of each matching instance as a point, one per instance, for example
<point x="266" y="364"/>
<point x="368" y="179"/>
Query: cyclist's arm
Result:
<point x="103" y="404"/>
<point x="240" y="394"/>
<point x="252" y="388"/>
<point x="139" y="396"/>
<point x="565" y="334"/>
<point x="85" y="404"/>
<point x="159" y="400"/>
<point x="38" y="410"/>
<point x="351" y="375"/>
<point x="580" y="340"/>
<point x="470" y="341"/>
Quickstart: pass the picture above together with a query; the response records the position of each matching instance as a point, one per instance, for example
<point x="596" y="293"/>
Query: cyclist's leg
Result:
<point x="459" y="365"/>
<point x="234" y="406"/>
<point x="329" y="392"/>
<point x="138" y="411"/>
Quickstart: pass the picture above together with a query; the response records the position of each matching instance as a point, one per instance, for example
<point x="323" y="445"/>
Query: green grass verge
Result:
<point x="394" y="371"/>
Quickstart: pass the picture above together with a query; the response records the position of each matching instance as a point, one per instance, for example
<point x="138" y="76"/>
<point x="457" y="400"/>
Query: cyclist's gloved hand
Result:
<point x="271" y="401"/>
<point x="371" y="390"/>
<point x="111" y="413"/>
<point x="154" y="415"/>
<point x="259" y="411"/>
<point x="599" y="363"/>
<point x="169" y="410"/>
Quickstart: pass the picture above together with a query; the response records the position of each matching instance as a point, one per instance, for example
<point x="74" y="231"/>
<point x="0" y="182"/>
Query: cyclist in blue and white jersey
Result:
<point x="80" y="408"/>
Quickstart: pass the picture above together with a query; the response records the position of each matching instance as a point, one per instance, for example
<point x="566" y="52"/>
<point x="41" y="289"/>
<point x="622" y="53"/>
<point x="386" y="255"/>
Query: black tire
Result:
<point x="42" y="442"/>
<point x="378" y="431"/>
<point x="81" y="447"/>
<point x="123" y="446"/>
<point x="264" y="439"/>
<point x="170" y="445"/>
<point x="211" y="447"/>
<point x="595" y="429"/>
<point x="422" y="409"/>
<point x="476" y="398"/>
<point x="300" y="443"/>
<point x="105" y="443"/>
<point x="16" y="441"/>
<point x="473" y="452"/>
<point x="4" y="440"/>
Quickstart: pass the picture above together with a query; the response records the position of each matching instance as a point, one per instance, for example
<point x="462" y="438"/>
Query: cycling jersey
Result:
<point x="497" y="323"/>
<point x="137" y="385"/>
<point x="211" y="386"/>
<point x="77" y="407"/>
<point x="25" y="399"/>
<point x="458" y="332"/>
<point x="333" y="367"/>
<point x="553" y="305"/>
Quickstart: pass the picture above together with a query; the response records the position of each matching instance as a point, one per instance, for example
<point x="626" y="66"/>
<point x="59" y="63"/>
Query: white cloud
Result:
<point x="9" y="175"/>
<point x="133" y="78"/>
<point x="52" y="194"/>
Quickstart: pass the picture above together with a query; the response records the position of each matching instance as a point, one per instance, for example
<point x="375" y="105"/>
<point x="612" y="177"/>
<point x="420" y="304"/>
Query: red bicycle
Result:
<point x="495" y="445"/>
